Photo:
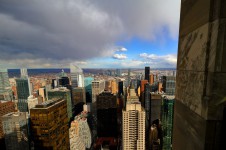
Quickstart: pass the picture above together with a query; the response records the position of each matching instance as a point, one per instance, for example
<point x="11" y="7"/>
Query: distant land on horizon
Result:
<point x="35" y="71"/>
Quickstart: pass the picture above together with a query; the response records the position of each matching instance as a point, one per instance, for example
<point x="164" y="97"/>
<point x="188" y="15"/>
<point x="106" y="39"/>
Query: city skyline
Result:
<point x="92" y="34"/>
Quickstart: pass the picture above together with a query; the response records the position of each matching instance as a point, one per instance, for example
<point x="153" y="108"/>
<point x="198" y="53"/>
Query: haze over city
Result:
<point x="93" y="34"/>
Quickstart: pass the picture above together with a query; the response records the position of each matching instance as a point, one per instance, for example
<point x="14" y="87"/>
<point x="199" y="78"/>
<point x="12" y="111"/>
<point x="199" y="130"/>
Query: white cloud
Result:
<point x="168" y="60"/>
<point x="119" y="56"/>
<point x="120" y="49"/>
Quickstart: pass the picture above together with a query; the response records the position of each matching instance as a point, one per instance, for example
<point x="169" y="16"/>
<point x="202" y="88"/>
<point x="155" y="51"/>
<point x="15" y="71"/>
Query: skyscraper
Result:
<point x="147" y="106"/>
<point x="88" y="88"/>
<point x="120" y="87"/>
<point x="22" y="93"/>
<point x="106" y="115"/>
<point x="147" y="73"/>
<point x="167" y="121"/>
<point x="49" y="125"/>
<point x="78" y="95"/>
<point x="151" y="79"/>
<point x="169" y="83"/>
<point x="97" y="88"/>
<point x="77" y="76"/>
<point x="15" y="128"/>
<point x="62" y="93"/>
<point x="80" y="133"/>
<point x="5" y="88"/>
<point x="133" y="125"/>
<point x="5" y="108"/>
<point x="200" y="112"/>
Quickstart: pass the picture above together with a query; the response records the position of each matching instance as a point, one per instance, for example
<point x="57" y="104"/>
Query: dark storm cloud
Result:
<point x="79" y="29"/>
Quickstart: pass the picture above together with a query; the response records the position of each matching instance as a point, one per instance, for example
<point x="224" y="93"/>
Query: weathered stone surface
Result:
<point x="217" y="99"/>
<point x="200" y="107"/>
<point x="189" y="89"/>
<point x="194" y="13"/>
<point x="192" y="49"/>
<point x="188" y="130"/>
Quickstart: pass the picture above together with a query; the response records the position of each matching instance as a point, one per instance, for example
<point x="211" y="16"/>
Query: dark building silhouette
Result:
<point x="120" y="88"/>
<point x="64" y="81"/>
<point x="147" y="106"/>
<point x="147" y="73"/>
<point x="106" y="115"/>
<point x="199" y="112"/>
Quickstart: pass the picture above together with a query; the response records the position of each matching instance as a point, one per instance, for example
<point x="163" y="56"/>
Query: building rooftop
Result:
<point x="47" y="103"/>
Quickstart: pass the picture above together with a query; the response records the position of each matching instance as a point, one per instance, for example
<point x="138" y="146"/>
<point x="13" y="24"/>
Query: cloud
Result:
<point x="160" y="61"/>
<point x="120" y="49"/>
<point x="63" y="30"/>
<point x="119" y="56"/>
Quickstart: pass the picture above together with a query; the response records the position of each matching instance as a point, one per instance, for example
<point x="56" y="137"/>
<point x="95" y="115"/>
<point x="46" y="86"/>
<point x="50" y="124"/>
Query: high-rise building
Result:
<point x="5" y="108"/>
<point x="77" y="76"/>
<point x="120" y="88"/>
<point x="167" y="121"/>
<point x="78" y="95"/>
<point x="118" y="72"/>
<point x="147" y="73"/>
<point x="147" y="106"/>
<point x="159" y="87"/>
<point x="151" y="79"/>
<point x="143" y="82"/>
<point x="49" y="125"/>
<point x="15" y="128"/>
<point x="80" y="133"/>
<point x="88" y="88"/>
<point x="133" y="125"/>
<point x="22" y="93"/>
<point x="200" y="110"/>
<point x="169" y="83"/>
<point x="5" y="88"/>
<point x="32" y="101"/>
<point x="114" y="87"/>
<point x="97" y="88"/>
<point x="106" y="115"/>
<point x="42" y="93"/>
<point x="142" y="89"/>
<point x="24" y="75"/>
<point x="156" y="104"/>
<point x="62" y="93"/>
<point x="128" y="78"/>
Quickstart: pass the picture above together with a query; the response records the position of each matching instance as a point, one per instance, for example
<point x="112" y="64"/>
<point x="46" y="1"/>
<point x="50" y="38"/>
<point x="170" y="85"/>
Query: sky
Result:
<point x="90" y="33"/>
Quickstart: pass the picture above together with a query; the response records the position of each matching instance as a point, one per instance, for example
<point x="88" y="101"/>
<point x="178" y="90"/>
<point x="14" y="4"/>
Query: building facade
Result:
<point x="167" y="121"/>
<point x="97" y="87"/>
<point x="169" y="83"/>
<point x="49" y="125"/>
<point x="22" y="93"/>
<point x="133" y="124"/>
<point x="77" y="76"/>
<point x="5" y="88"/>
<point x="88" y="89"/>
<point x="5" y="108"/>
<point x="80" y="133"/>
<point x="106" y="115"/>
<point x="15" y="128"/>
<point x="200" y="97"/>
<point x="147" y="73"/>
<point x="64" y="93"/>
